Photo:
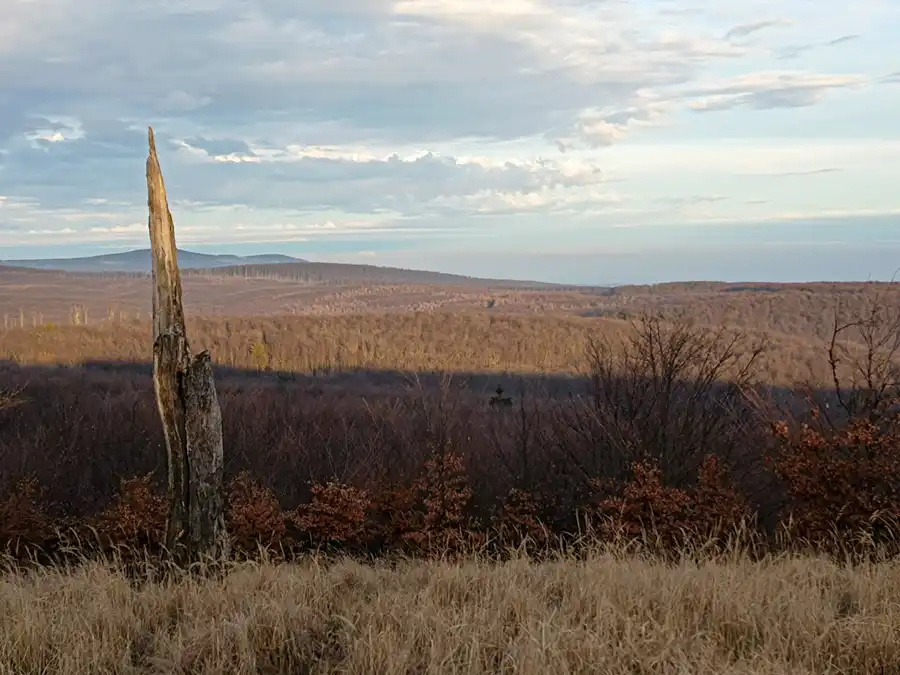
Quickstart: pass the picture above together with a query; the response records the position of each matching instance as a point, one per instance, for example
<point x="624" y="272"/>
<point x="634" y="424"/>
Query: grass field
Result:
<point x="609" y="612"/>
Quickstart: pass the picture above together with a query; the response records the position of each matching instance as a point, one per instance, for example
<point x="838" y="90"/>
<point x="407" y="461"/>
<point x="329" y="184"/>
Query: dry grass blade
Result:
<point x="608" y="613"/>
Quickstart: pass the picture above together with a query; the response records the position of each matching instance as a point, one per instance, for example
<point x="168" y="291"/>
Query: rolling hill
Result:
<point x="345" y="273"/>
<point x="266" y="266"/>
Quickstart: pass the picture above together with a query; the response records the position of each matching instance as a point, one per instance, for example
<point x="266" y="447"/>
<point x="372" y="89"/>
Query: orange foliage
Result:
<point x="847" y="481"/>
<point x="519" y="519"/>
<point x="443" y="495"/>
<point x="647" y="504"/>
<point x="676" y="516"/>
<point x="336" y="515"/>
<point x="445" y="492"/>
<point x="137" y="517"/>
<point x="23" y="517"/>
<point x="393" y="514"/>
<point x="717" y="503"/>
<point x="254" y="516"/>
<point x="428" y="516"/>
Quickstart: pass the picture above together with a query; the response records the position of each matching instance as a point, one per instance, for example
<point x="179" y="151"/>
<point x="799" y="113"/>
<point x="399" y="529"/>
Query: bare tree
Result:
<point x="864" y="358"/>
<point x="186" y="395"/>
<point x="671" y="393"/>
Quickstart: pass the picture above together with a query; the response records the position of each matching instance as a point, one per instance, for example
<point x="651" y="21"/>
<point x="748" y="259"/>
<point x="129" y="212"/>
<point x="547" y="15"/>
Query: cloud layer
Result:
<point x="413" y="123"/>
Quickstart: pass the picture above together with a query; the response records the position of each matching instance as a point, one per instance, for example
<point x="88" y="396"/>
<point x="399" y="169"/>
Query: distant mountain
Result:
<point x="271" y="266"/>
<point x="139" y="261"/>
<point x="316" y="273"/>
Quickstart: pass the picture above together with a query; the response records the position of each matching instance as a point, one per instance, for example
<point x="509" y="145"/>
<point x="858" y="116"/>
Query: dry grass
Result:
<point x="606" y="613"/>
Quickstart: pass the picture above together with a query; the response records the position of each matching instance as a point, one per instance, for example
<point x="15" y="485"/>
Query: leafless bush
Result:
<point x="864" y="357"/>
<point x="671" y="394"/>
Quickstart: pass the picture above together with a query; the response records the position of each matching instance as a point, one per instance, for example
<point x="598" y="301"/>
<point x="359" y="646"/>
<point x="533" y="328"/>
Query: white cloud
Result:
<point x="58" y="129"/>
<point x="120" y="229"/>
<point x="746" y="29"/>
<point x="385" y="117"/>
<point x="769" y="90"/>
<point x="65" y="230"/>
<point x="547" y="199"/>
<point x="601" y="128"/>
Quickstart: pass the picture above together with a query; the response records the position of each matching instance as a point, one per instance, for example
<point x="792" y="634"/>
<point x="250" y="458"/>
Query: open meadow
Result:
<point x="611" y="612"/>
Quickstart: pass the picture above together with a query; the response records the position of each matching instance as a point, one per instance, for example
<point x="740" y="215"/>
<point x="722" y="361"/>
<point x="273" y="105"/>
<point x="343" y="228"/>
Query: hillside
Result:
<point x="266" y="266"/>
<point x="348" y="274"/>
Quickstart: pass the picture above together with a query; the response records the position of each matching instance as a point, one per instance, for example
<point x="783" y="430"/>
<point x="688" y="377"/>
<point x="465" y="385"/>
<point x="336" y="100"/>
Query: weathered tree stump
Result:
<point x="186" y="396"/>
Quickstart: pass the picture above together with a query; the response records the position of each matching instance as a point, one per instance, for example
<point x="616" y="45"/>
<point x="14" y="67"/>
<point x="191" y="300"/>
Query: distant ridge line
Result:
<point x="270" y="266"/>
<point x="138" y="260"/>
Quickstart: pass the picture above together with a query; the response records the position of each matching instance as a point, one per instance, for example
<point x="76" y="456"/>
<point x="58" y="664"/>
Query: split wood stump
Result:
<point x="186" y="395"/>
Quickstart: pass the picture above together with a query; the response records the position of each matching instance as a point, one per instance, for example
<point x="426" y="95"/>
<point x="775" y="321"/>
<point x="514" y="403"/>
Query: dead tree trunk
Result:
<point x="186" y="395"/>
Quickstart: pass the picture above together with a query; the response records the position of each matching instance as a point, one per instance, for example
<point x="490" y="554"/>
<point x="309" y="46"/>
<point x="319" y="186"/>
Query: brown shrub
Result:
<point x="645" y="503"/>
<point x="336" y="515"/>
<point x="844" y="481"/>
<point x="519" y="519"/>
<point x="444" y="494"/>
<point x="253" y="517"/>
<point x="700" y="514"/>
<point x="718" y="505"/>
<point x="136" y="518"/>
<point x="24" y="518"/>
<point x="428" y="516"/>
<point x="394" y="513"/>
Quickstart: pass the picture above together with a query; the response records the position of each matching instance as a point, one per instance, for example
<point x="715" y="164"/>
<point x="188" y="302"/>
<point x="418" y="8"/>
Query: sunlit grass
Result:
<point x="607" y="612"/>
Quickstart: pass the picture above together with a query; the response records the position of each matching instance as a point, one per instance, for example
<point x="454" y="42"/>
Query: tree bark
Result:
<point x="186" y="396"/>
<point x="203" y="427"/>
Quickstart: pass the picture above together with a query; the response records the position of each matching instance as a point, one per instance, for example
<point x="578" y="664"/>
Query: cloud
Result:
<point x="393" y="115"/>
<point x="841" y="40"/>
<point x="601" y="128"/>
<point x="766" y="174"/>
<point x="55" y="129"/>
<point x="692" y="199"/>
<point x="398" y="71"/>
<point x="556" y="200"/>
<point x="811" y="172"/>
<point x="747" y="29"/>
<point x="316" y="178"/>
<point x="760" y="91"/>
<point x="119" y="229"/>
<point x="54" y="233"/>
<point x="767" y="90"/>
<point x="793" y="51"/>
<point x="797" y="50"/>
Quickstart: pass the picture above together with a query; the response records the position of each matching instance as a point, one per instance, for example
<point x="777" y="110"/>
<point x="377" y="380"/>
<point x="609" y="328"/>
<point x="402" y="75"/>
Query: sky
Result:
<point x="614" y="141"/>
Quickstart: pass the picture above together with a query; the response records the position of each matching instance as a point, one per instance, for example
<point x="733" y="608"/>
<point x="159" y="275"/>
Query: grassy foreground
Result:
<point x="606" y="613"/>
